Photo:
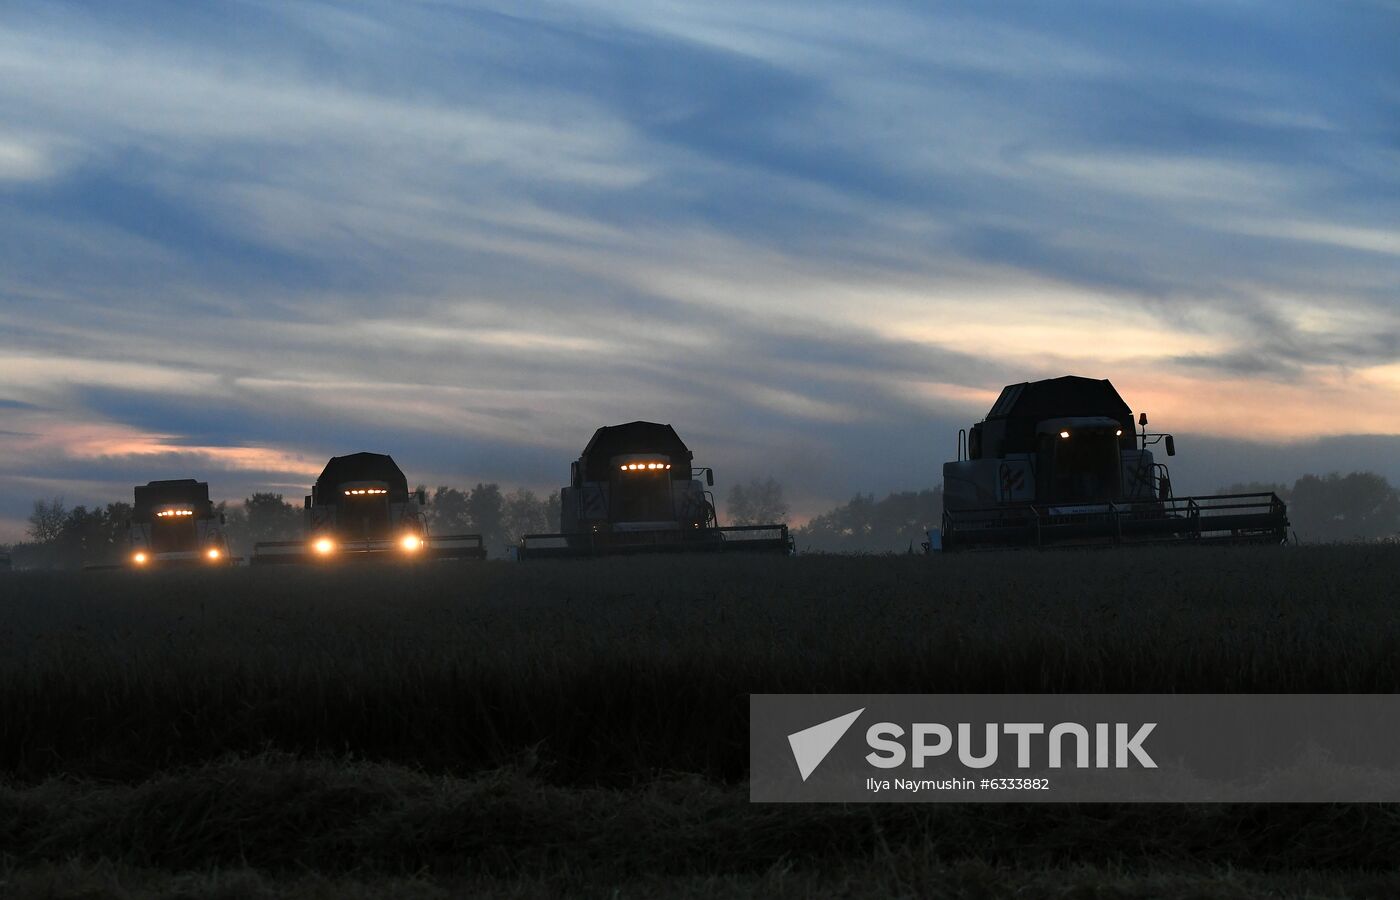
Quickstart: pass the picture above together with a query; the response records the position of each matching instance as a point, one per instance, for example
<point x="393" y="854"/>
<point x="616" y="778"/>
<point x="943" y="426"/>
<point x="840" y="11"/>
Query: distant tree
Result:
<point x="236" y="529"/>
<point x="265" y="517"/>
<point x="499" y="518"/>
<point x="46" y="521"/>
<point x="552" y="509"/>
<point x="486" y="509"/>
<point x="757" y="503"/>
<point x="524" y="513"/>
<point x="93" y="536"/>
<point x="864" y="525"/>
<point x="74" y="537"/>
<point x="118" y="527"/>
<point x="851" y="524"/>
<point x="448" y="512"/>
<point x="1358" y="506"/>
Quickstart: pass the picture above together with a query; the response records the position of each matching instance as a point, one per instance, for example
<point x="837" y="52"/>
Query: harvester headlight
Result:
<point x="213" y="553"/>
<point x="324" y="546"/>
<point x="643" y="467"/>
<point x="1118" y="433"/>
<point x="1064" y="434"/>
<point x="411" y="542"/>
<point x="139" y="558"/>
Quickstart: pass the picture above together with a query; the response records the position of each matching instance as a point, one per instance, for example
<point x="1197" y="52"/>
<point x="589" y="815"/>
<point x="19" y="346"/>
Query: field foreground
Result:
<point x="548" y="729"/>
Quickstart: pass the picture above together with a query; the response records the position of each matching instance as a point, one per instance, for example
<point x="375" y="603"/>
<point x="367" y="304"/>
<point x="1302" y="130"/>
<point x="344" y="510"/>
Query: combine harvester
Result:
<point x="634" y="491"/>
<point x="361" y="509"/>
<point x="1060" y="463"/>
<point x="173" y="523"/>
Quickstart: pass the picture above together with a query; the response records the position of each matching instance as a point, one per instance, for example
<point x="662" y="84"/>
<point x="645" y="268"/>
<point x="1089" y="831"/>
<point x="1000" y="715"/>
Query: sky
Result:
<point x="237" y="238"/>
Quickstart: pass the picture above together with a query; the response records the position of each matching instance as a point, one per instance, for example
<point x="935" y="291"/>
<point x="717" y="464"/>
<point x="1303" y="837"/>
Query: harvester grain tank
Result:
<point x="361" y="508"/>
<point x="1061" y="461"/>
<point x="173" y="523"/>
<point x="635" y="489"/>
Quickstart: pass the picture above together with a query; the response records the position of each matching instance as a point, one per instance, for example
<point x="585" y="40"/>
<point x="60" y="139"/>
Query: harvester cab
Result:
<point x="361" y="508"/>
<point x="635" y="489"/>
<point x="1060" y="461"/>
<point x="173" y="523"/>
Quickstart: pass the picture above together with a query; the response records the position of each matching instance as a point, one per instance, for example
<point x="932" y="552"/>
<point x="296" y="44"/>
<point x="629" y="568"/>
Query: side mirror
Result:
<point x="1171" y="446"/>
<point x="422" y="498"/>
<point x="306" y="504"/>
<point x="1142" y="419"/>
<point x="222" y="519"/>
<point x="710" y="477"/>
<point x="574" y="478"/>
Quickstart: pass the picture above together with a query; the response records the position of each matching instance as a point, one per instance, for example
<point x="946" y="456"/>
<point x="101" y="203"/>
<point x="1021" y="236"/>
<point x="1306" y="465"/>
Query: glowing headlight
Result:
<point x="324" y="546"/>
<point x="1118" y="433"/>
<point x="1064" y="434"/>
<point x="139" y="558"/>
<point x="213" y="553"/>
<point x="411" y="542"/>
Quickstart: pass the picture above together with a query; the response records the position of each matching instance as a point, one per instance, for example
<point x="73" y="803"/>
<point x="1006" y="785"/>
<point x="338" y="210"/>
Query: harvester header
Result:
<point x="1061" y="461"/>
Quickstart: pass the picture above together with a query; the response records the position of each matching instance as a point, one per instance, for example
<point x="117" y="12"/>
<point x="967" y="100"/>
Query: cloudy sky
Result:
<point x="237" y="238"/>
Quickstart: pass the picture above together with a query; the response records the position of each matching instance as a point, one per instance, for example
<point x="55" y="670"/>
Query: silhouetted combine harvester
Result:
<point x="1060" y="463"/>
<point x="361" y="509"/>
<point x="634" y="490"/>
<point x="173" y="524"/>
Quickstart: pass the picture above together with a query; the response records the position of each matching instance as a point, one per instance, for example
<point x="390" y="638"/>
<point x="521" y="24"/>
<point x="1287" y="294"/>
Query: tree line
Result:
<point x="499" y="517"/>
<point x="60" y="536"/>
<point x="1358" y="506"/>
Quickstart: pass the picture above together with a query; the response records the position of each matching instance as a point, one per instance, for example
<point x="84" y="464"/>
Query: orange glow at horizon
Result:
<point x="53" y="435"/>
<point x="1330" y="404"/>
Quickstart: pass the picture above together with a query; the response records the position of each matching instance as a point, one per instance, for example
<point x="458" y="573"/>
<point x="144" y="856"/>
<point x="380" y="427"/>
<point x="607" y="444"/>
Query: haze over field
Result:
<point x="239" y="238"/>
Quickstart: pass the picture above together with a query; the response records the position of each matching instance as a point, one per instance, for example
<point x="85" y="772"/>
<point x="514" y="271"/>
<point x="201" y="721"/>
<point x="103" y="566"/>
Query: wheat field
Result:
<point x="557" y="729"/>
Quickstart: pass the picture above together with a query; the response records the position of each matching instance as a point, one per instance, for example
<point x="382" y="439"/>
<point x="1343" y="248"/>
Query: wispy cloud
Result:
<point x="240" y="237"/>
